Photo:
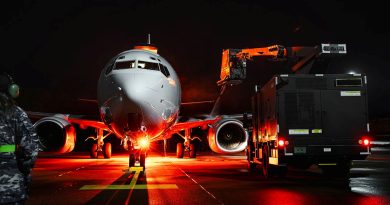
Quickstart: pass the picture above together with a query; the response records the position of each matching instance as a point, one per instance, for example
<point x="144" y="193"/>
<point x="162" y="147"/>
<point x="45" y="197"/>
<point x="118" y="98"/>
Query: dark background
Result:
<point x="56" y="49"/>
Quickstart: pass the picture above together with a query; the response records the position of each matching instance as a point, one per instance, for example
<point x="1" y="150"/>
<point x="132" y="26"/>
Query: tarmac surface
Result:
<point x="74" y="178"/>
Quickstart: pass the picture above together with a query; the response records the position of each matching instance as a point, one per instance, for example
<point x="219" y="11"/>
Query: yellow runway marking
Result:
<point x="328" y="164"/>
<point x="141" y="186"/>
<point x="132" y="184"/>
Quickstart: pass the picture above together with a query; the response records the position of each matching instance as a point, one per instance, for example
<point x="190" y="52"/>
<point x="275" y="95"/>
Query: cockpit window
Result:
<point x="164" y="70"/>
<point x="124" y="65"/>
<point x="110" y="65"/>
<point x="109" y="68"/>
<point x="147" y="65"/>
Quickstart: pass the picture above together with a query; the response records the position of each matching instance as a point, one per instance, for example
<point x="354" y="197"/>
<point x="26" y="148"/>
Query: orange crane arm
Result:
<point x="234" y="60"/>
<point x="233" y="66"/>
<point x="275" y="51"/>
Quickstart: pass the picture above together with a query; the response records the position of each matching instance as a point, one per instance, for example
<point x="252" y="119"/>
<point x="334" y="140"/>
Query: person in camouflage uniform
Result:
<point x="18" y="145"/>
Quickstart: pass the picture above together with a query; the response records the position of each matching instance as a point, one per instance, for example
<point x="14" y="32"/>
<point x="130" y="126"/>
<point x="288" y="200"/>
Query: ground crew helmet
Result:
<point x="8" y="86"/>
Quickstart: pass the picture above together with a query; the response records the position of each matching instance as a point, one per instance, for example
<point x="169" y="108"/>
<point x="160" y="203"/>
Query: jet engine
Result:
<point x="227" y="136"/>
<point x="56" y="134"/>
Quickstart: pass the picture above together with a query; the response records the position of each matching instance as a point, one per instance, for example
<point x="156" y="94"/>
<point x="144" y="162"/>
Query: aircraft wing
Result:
<point x="203" y="120"/>
<point x="191" y="123"/>
<point x="82" y="120"/>
<point x="89" y="123"/>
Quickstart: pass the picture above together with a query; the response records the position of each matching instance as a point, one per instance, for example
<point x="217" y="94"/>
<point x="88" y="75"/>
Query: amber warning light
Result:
<point x="147" y="47"/>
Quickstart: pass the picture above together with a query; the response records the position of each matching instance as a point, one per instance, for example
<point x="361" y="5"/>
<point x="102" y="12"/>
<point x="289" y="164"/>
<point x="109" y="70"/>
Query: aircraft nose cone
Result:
<point x="137" y="87"/>
<point x="129" y="86"/>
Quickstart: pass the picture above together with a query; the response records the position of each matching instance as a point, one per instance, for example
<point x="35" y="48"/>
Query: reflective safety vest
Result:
<point x="7" y="148"/>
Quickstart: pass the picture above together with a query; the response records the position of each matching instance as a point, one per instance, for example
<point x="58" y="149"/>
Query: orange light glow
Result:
<point x="171" y="81"/>
<point x="147" y="47"/>
<point x="144" y="143"/>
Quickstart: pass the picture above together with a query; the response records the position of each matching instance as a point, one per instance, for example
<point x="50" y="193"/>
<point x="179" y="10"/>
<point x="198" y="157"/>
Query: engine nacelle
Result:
<point x="56" y="134"/>
<point x="227" y="136"/>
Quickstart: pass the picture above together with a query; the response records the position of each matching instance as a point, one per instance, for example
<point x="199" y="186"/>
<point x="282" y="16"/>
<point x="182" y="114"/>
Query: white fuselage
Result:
<point x="139" y="95"/>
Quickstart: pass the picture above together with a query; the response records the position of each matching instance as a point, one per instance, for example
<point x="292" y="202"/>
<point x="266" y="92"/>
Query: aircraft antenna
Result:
<point x="147" y="46"/>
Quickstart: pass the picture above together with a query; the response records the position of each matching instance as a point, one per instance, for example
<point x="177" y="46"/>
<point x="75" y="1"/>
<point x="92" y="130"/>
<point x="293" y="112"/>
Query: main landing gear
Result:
<point x="99" y="146"/>
<point x="188" y="145"/>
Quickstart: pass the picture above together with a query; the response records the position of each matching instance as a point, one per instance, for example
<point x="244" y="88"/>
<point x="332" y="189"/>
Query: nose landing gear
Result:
<point x="137" y="153"/>
<point x="137" y="156"/>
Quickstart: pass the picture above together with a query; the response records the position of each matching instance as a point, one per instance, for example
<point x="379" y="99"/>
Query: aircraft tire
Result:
<point x="93" y="152"/>
<point x="192" y="152"/>
<point x="131" y="160"/>
<point x="142" y="159"/>
<point x="179" y="150"/>
<point x="107" y="150"/>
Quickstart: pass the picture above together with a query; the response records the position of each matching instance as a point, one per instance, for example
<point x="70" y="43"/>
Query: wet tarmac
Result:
<point x="209" y="179"/>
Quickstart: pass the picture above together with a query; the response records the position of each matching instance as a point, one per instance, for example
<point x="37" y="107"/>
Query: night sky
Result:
<point x="56" y="49"/>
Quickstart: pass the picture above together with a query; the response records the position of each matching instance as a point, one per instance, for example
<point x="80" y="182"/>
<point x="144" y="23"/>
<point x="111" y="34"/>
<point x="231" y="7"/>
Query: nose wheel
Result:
<point x="131" y="160"/>
<point x="138" y="156"/>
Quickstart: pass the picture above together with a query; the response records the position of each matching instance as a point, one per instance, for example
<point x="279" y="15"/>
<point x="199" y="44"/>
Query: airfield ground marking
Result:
<point x="132" y="184"/>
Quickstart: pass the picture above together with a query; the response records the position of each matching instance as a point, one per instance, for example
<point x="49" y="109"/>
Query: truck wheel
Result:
<point x="251" y="164"/>
<point x="179" y="150"/>
<point x="343" y="168"/>
<point x="251" y="167"/>
<point x="282" y="171"/>
<point x="265" y="161"/>
<point x="192" y="151"/>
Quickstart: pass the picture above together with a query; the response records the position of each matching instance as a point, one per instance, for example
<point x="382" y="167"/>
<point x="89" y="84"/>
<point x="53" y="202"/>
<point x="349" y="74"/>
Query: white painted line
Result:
<point x="380" y="142"/>
<point x="210" y="194"/>
<point x="68" y="172"/>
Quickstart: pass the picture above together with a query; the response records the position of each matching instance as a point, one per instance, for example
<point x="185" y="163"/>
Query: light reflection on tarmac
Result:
<point x="209" y="179"/>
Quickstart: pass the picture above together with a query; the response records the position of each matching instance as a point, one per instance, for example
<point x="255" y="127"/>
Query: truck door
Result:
<point x="343" y="114"/>
<point x="302" y="112"/>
